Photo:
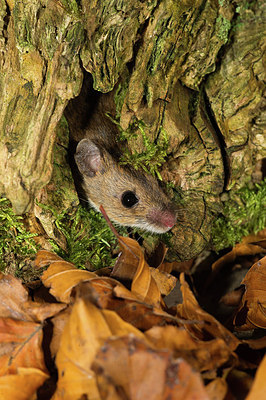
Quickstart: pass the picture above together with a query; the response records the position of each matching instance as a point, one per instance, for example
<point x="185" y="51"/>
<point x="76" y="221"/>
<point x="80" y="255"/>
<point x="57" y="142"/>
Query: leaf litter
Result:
<point x="112" y="335"/>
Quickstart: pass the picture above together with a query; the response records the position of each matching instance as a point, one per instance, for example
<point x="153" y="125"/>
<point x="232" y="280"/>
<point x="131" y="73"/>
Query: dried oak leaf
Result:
<point x="258" y="389"/>
<point x="142" y="372"/>
<point x="217" y="389"/>
<point x="180" y="266"/>
<point x="84" y="333"/>
<point x="15" y="302"/>
<point x="109" y="293"/>
<point x="20" y="346"/>
<point x="207" y="327"/>
<point x="201" y="355"/>
<point x="250" y="245"/>
<point x="164" y="281"/>
<point x="61" y="276"/>
<point x="131" y="265"/>
<point x="22" y="385"/>
<point x="252" y="310"/>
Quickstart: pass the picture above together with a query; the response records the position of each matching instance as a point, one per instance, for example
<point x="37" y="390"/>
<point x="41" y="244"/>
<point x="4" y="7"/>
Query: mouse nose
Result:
<point x="168" y="219"/>
<point x="165" y="218"/>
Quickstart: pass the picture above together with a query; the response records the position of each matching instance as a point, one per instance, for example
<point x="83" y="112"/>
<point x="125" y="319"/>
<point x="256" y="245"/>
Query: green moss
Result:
<point x="153" y="154"/>
<point x="242" y="215"/>
<point x="16" y="244"/>
<point x="88" y="237"/>
<point x="119" y="97"/>
<point x="223" y="26"/>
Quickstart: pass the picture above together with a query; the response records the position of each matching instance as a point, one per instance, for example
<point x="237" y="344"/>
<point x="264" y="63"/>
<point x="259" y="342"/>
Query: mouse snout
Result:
<point x="168" y="219"/>
<point x="165" y="219"/>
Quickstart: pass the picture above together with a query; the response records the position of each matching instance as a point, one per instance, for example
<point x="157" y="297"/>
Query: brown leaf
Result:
<point x="15" y="302"/>
<point x="155" y="259"/>
<point x="22" y="385"/>
<point x="201" y="355"/>
<point x="164" y="281"/>
<point x="256" y="344"/>
<point x="45" y="258"/>
<point x="217" y="389"/>
<point x="144" y="373"/>
<point x="258" y="389"/>
<point x="250" y="245"/>
<point x="180" y="266"/>
<point x="252" y="311"/>
<point x="84" y="333"/>
<point x="132" y="265"/>
<point x="20" y="346"/>
<point x="62" y="276"/>
<point x="59" y="321"/>
<point x="144" y="285"/>
<point x="233" y="298"/>
<point x="208" y="326"/>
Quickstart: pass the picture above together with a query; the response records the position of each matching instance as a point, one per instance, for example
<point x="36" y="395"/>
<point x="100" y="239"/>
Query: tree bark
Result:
<point x="192" y="69"/>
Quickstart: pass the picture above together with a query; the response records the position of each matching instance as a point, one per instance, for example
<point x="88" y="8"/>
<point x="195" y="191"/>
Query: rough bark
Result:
<point x="192" y="69"/>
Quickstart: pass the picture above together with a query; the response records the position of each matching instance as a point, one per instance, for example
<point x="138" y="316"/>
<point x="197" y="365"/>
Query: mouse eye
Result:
<point x="129" y="199"/>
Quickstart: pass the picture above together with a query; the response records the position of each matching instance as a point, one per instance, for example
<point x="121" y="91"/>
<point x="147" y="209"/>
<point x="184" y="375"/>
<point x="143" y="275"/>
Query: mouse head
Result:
<point x="129" y="197"/>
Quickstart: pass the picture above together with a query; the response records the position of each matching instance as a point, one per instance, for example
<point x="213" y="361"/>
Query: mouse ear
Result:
<point x="88" y="157"/>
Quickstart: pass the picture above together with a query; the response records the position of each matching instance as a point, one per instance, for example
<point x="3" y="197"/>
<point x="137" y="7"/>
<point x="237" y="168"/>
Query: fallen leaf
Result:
<point x="250" y="245"/>
<point x="164" y="281"/>
<point x="20" y="346"/>
<point x="256" y="344"/>
<point x="201" y="355"/>
<point x="217" y="389"/>
<point x="258" y="389"/>
<point x="252" y="310"/>
<point x="44" y="258"/>
<point x="144" y="373"/>
<point x="233" y="299"/>
<point x="144" y="286"/>
<point x="15" y="302"/>
<point x="61" y="277"/>
<point x="180" y="266"/>
<point x="22" y="385"/>
<point x="84" y="333"/>
<point x="207" y="326"/>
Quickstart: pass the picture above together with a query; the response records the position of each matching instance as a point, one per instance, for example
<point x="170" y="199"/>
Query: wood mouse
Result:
<point x="129" y="197"/>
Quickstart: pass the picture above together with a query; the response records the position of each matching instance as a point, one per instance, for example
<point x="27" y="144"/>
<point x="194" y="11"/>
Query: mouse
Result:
<point x="130" y="197"/>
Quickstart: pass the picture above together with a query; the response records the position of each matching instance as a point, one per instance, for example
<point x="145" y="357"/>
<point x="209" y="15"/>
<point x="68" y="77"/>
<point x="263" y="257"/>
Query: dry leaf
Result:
<point x="128" y="261"/>
<point x="207" y="326"/>
<point x="144" y="285"/>
<point x="164" y="281"/>
<point x="252" y="311"/>
<point x="201" y="355"/>
<point x="258" y="389"/>
<point x="22" y="385"/>
<point x="84" y="333"/>
<point x="180" y="266"/>
<point x="132" y="265"/>
<point x="250" y="245"/>
<point x="256" y="344"/>
<point x="217" y="389"/>
<point x="45" y="258"/>
<point x="15" y="302"/>
<point x="20" y="346"/>
<point x="61" y="277"/>
<point x="155" y="259"/>
<point x="144" y="373"/>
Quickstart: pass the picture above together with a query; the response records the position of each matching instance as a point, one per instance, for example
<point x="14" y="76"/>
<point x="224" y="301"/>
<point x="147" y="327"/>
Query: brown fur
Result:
<point x="87" y="119"/>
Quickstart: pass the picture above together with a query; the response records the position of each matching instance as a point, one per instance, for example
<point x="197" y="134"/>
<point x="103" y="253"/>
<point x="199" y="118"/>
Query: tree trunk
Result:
<point x="190" y="69"/>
